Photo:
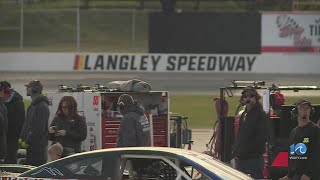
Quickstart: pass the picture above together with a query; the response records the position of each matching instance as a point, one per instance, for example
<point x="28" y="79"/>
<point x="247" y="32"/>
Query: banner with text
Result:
<point x="290" y="32"/>
<point x="215" y="63"/>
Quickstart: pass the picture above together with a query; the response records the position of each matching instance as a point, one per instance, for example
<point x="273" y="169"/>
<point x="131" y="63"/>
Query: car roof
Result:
<point x="199" y="160"/>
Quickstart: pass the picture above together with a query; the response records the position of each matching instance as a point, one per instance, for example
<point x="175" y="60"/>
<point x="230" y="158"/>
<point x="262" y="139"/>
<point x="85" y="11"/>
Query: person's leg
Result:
<point x="36" y="158"/>
<point x="252" y="167"/>
<point x="256" y="167"/>
<point x="241" y="165"/>
<point x="11" y="156"/>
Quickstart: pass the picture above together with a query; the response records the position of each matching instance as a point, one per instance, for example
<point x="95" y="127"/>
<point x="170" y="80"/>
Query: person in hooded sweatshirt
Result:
<point x="16" y="116"/>
<point x="134" y="127"/>
<point x="35" y="128"/>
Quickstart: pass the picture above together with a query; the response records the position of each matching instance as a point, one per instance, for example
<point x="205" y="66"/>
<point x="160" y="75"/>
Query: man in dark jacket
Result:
<point x="16" y="115"/>
<point x="134" y="128"/>
<point x="35" y="128"/>
<point x="250" y="142"/>
<point x="3" y="129"/>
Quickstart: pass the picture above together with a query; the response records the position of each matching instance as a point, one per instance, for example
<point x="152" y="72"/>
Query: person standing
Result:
<point x="68" y="127"/>
<point x="16" y="116"/>
<point x="3" y="129"/>
<point x="250" y="142"/>
<point x="304" y="141"/>
<point x="35" y="128"/>
<point x="134" y="127"/>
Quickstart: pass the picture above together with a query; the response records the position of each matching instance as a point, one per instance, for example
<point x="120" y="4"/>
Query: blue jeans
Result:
<point x="253" y="167"/>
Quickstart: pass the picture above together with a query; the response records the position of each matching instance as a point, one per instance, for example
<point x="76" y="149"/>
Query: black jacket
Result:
<point x="252" y="134"/>
<point x="3" y="130"/>
<point x="35" y="128"/>
<point x="16" y="117"/>
<point x="307" y="163"/>
<point x="134" y="128"/>
<point x="76" y="131"/>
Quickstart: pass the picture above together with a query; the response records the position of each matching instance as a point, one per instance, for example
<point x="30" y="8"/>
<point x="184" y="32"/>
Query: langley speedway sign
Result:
<point x="196" y="63"/>
<point x="162" y="63"/>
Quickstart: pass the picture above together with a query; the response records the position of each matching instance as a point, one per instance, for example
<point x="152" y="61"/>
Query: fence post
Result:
<point x="21" y="24"/>
<point x="78" y="25"/>
<point x="133" y="32"/>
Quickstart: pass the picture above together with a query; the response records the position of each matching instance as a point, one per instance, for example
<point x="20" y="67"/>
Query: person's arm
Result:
<point x="314" y="159"/>
<point x="2" y="143"/>
<point x="119" y="135"/>
<point x="20" y="114"/>
<point x="80" y="132"/>
<point x="51" y="135"/>
<point x="127" y="132"/>
<point x="1" y="125"/>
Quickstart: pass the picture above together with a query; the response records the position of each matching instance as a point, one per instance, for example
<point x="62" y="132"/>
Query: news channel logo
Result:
<point x="298" y="149"/>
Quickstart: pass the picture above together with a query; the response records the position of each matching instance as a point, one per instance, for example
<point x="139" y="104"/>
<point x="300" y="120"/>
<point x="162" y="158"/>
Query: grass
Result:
<point x="200" y="109"/>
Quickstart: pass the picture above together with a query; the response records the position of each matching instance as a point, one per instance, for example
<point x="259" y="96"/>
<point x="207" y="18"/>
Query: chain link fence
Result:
<point x="23" y="28"/>
<point x="96" y="25"/>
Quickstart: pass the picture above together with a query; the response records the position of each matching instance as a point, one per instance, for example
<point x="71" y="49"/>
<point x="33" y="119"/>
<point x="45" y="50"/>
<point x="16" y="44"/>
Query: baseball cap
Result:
<point x="4" y="84"/>
<point x="302" y="102"/>
<point x="249" y="89"/>
<point x="35" y="85"/>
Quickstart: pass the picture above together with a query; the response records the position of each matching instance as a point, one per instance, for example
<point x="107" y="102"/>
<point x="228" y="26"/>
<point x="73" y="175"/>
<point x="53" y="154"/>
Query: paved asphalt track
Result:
<point x="195" y="83"/>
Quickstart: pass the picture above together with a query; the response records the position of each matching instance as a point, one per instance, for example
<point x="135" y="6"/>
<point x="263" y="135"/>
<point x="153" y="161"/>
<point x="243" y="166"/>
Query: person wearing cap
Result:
<point x="35" y="128"/>
<point x="304" y="142"/>
<point x="16" y="116"/>
<point x="249" y="145"/>
<point x="134" y="127"/>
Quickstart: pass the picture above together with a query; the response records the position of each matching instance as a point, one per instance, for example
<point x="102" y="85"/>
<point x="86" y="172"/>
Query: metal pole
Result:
<point x="133" y="32"/>
<point x="21" y="24"/>
<point x="78" y="25"/>
<point x="151" y="129"/>
<point x="178" y="133"/>
<point x="223" y="126"/>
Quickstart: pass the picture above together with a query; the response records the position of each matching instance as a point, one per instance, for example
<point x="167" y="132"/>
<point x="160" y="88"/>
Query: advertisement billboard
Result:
<point x="291" y="32"/>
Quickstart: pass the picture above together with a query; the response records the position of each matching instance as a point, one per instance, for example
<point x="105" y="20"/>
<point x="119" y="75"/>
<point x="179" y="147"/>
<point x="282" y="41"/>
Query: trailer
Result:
<point x="103" y="118"/>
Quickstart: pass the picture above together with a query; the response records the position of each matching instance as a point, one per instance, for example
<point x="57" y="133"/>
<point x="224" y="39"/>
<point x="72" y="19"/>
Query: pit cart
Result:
<point x="180" y="135"/>
<point x="277" y="101"/>
<point x="99" y="106"/>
